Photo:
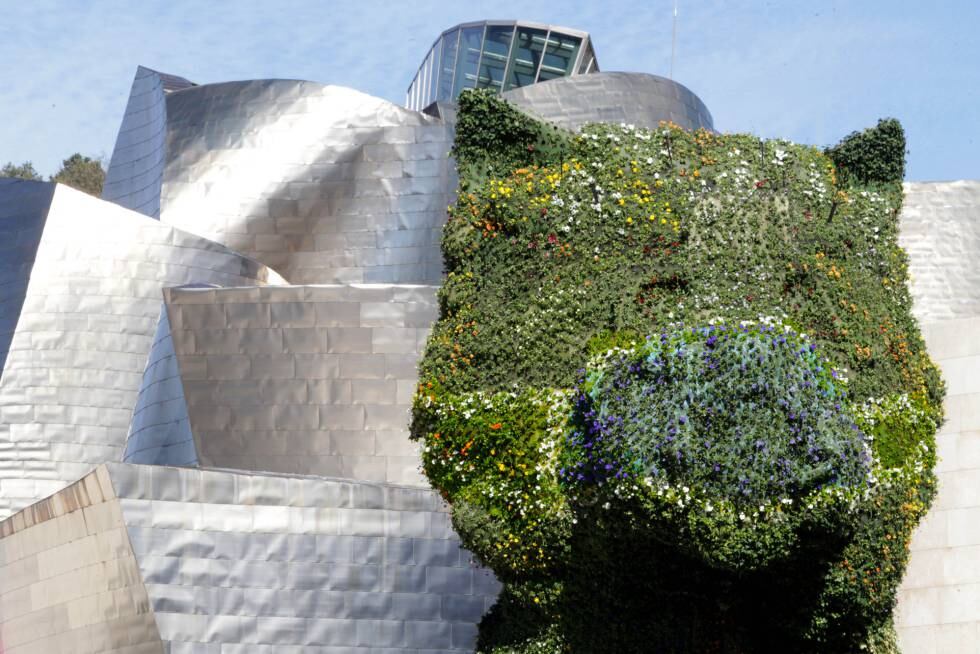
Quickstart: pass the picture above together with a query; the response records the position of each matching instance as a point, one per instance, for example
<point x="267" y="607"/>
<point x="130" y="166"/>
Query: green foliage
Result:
<point x="23" y="171"/>
<point x="494" y="456"/>
<point x="743" y="413"/>
<point x="524" y="620"/>
<point x="901" y="429"/>
<point x="608" y="339"/>
<point x="637" y="229"/>
<point x="82" y="173"/>
<point x="561" y="247"/>
<point x="494" y="138"/>
<point x="874" y="156"/>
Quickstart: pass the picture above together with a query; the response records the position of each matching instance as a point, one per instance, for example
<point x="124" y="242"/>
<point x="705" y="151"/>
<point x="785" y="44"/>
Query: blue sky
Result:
<point x="807" y="70"/>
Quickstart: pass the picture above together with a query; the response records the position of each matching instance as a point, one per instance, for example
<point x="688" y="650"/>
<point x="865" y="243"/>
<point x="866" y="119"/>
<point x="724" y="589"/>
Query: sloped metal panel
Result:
<point x="160" y="430"/>
<point x="633" y="98"/>
<point x="84" y="329"/>
<point x="22" y="215"/>
<point x="69" y="581"/>
<point x="302" y="379"/>
<point x="136" y="167"/>
<point x="322" y="183"/>
<point x="266" y="563"/>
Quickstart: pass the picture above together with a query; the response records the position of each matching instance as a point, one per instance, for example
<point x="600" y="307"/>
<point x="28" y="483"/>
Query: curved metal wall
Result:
<point x="635" y="98"/>
<point x="322" y="183"/>
<point x="160" y="430"/>
<point x="136" y="168"/>
<point x="77" y="355"/>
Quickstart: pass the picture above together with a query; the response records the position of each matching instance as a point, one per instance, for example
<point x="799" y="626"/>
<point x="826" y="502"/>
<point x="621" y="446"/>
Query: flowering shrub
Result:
<point x="740" y="412"/>
<point x="702" y="490"/>
<point x="901" y="429"/>
<point x="495" y="456"/>
<point x="631" y="229"/>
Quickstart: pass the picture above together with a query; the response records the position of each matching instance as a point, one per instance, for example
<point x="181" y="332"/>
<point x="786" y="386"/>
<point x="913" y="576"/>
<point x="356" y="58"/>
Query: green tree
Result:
<point x="23" y="171"/>
<point x="83" y="173"/>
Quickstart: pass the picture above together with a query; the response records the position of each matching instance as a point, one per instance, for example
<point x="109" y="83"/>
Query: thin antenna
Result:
<point x="673" y="42"/>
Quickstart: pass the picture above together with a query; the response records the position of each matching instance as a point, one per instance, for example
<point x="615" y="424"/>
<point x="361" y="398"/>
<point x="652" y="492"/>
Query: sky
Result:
<point x="811" y="71"/>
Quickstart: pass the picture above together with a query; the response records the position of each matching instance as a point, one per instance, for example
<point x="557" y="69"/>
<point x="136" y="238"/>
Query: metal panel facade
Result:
<point x="148" y="559"/>
<point x="634" y="98"/>
<point x="73" y="370"/>
<point x="322" y="183"/>
<point x="136" y="168"/>
<point x="160" y="430"/>
<point x="298" y="379"/>
<point x="266" y="563"/>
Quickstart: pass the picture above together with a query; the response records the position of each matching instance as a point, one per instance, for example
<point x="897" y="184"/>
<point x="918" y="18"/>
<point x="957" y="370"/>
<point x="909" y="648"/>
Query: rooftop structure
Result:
<point x="498" y="55"/>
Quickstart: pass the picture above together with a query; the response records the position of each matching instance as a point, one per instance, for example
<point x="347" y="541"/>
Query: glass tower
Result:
<point x="498" y="55"/>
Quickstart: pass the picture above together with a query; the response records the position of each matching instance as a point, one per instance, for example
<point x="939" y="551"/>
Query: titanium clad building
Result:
<point x="498" y="55"/>
<point x="223" y="359"/>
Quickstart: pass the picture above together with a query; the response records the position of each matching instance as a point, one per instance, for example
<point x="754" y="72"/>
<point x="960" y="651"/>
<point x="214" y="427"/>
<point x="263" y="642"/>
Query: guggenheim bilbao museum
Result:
<point x="206" y="375"/>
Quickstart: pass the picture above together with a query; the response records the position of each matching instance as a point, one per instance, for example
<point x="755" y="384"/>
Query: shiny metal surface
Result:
<point x="160" y="430"/>
<point x="634" y="98"/>
<point x="322" y="183"/>
<point x="84" y="328"/>
<point x="69" y="581"/>
<point x="135" y="171"/>
<point x="218" y="561"/>
<point x="22" y="211"/>
<point x="297" y="379"/>
<point x="444" y="72"/>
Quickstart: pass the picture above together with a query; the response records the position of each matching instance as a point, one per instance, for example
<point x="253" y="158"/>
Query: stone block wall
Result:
<point x="939" y="604"/>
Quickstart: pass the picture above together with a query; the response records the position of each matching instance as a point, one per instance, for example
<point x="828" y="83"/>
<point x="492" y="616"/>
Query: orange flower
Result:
<point x="496" y="426"/>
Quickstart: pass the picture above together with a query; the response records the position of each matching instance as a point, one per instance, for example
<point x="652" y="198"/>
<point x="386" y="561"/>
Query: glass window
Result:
<point x="413" y="93"/>
<point x="419" y="96"/>
<point x="587" y="59"/>
<point x="559" y="56"/>
<point x="525" y="57"/>
<point x="496" y="49"/>
<point x="468" y="59"/>
<point x="430" y="70"/>
<point x="434" y="82"/>
<point x="448" y="65"/>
